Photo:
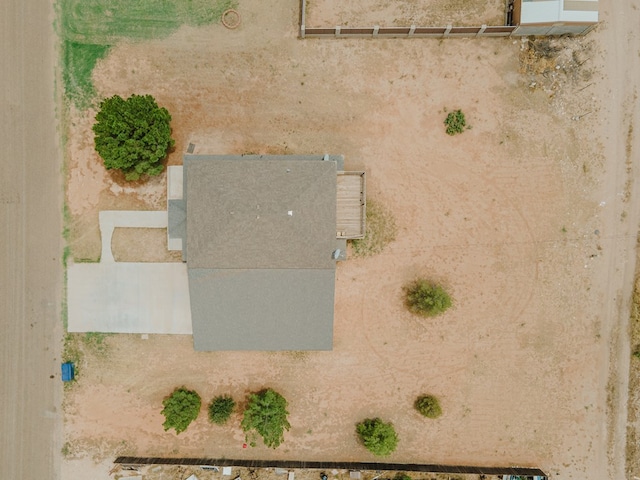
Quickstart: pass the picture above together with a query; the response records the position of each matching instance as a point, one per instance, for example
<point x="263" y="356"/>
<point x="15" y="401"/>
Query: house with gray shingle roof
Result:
<point x="261" y="235"/>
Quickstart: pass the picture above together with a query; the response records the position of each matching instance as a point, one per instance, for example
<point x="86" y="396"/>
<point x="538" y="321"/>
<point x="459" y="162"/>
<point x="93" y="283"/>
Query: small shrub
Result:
<point x="426" y="298"/>
<point x="220" y="409"/>
<point x="180" y="409"/>
<point x="266" y="414"/>
<point x="378" y="437"/>
<point x="455" y="122"/>
<point x="401" y="476"/>
<point x="429" y="406"/>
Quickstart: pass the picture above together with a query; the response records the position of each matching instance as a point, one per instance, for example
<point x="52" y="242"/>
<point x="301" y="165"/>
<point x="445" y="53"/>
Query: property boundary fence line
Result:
<point x="294" y="464"/>
<point x="394" y="32"/>
<point x="409" y="32"/>
<point x="449" y="31"/>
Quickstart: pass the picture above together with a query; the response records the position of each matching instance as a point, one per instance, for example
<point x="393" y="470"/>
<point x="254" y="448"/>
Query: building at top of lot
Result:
<point x="554" y="17"/>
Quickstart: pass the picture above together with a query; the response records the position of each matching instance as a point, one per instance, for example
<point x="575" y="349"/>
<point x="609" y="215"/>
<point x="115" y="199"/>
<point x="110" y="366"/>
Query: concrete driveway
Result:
<point x="121" y="297"/>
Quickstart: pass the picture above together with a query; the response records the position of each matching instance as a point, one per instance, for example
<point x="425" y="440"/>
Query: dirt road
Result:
<point x="30" y="241"/>
<point x="618" y="38"/>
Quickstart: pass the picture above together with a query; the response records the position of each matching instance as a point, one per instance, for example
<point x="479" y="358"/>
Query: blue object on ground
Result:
<point x="67" y="372"/>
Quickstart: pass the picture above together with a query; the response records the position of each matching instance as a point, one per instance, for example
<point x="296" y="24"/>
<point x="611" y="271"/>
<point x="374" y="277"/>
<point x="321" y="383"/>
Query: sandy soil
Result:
<point x="528" y="217"/>
<point x="30" y="245"/>
<point x="401" y="13"/>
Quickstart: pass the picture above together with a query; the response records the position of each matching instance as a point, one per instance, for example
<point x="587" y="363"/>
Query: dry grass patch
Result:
<point x="381" y="230"/>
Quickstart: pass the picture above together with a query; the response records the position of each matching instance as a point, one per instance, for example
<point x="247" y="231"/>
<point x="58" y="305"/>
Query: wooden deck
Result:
<point x="350" y="208"/>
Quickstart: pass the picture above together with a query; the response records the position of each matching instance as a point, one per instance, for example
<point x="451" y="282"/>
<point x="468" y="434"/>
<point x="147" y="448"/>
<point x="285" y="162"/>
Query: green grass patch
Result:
<point x="78" y="62"/>
<point x="381" y="230"/>
<point x="90" y="27"/>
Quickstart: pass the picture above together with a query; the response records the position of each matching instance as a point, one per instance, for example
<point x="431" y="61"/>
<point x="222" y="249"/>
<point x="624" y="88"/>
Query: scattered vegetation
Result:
<point x="428" y="405"/>
<point x="220" y="409"/>
<point x="133" y="135"/>
<point x="455" y="122"/>
<point x="77" y="345"/>
<point x="72" y="352"/>
<point x="381" y="230"/>
<point x="180" y="409"/>
<point x="266" y="415"/>
<point x="426" y="298"/>
<point x="378" y="437"/>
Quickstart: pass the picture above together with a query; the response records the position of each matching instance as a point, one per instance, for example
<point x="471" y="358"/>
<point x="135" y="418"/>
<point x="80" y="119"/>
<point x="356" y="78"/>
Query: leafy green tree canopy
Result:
<point x="426" y="298"/>
<point x="429" y="406"/>
<point x="266" y="414"/>
<point x="133" y="135"/>
<point x="378" y="437"/>
<point x="220" y="409"/>
<point x="180" y="409"/>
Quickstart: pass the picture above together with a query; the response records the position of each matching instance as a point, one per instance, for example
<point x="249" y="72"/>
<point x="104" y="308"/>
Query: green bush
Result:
<point x="220" y="409"/>
<point x="455" y="122"/>
<point x="401" y="476"/>
<point x="378" y="437"/>
<point x="426" y="298"/>
<point x="266" y="414"/>
<point x="180" y="409"/>
<point x="133" y="135"/>
<point x="429" y="406"/>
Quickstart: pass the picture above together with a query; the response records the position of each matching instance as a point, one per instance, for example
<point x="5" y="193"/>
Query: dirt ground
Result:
<point x="386" y="13"/>
<point x="524" y="216"/>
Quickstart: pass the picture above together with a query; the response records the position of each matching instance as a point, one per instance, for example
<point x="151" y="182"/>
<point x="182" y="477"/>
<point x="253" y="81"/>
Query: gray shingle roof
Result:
<point x="247" y="213"/>
<point x="260" y="234"/>
<point x="262" y="309"/>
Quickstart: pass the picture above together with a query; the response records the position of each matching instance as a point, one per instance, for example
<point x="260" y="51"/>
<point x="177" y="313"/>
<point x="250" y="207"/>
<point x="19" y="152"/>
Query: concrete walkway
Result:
<point x="110" y="219"/>
<point x="123" y="297"/>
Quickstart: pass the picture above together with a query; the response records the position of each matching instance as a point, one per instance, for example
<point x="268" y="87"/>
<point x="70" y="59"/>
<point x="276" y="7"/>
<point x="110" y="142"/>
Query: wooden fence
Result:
<point x="355" y="466"/>
<point x="412" y="31"/>
<point x="395" y="32"/>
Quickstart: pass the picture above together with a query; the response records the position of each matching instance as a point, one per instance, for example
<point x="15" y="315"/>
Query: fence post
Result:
<point x="482" y="29"/>
<point x="302" y="17"/>
<point x="337" y="31"/>
<point x="412" y="30"/>
<point x="447" y="30"/>
<point x="376" y="29"/>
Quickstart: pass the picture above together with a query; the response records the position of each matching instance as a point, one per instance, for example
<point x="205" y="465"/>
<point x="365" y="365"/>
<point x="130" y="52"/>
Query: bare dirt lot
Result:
<point x="386" y="13"/>
<point x="525" y="216"/>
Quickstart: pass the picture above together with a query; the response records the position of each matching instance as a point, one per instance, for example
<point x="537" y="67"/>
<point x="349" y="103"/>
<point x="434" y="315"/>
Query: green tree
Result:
<point x="266" y="414"/>
<point x="180" y="409"/>
<point x="220" y="409"/>
<point x="428" y="405"/>
<point x="378" y="437"/>
<point x="133" y="135"/>
<point x="426" y="298"/>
